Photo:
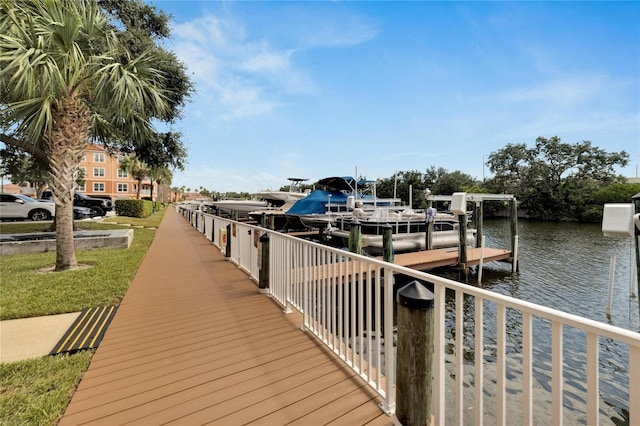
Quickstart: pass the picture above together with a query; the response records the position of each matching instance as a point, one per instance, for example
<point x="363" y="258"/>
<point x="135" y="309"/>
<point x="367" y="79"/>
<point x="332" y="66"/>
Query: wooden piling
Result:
<point x="414" y="372"/>
<point x="263" y="280"/>
<point x="462" y="232"/>
<point x="227" y="250"/>
<point x="355" y="237"/>
<point x="513" y="218"/>
<point x="479" y="219"/>
<point x="387" y="243"/>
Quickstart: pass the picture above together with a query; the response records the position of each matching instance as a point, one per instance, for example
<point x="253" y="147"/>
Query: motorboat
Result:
<point x="408" y="230"/>
<point x="241" y="207"/>
<point x="321" y="207"/>
<point x="275" y="217"/>
<point x="279" y="198"/>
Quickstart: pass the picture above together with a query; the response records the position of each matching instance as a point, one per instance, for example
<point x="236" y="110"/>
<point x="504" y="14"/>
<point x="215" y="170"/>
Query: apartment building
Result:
<point x="103" y="176"/>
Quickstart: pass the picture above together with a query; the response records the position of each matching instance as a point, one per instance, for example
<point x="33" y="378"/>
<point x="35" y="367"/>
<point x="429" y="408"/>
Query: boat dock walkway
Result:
<point x="430" y="259"/>
<point x="193" y="342"/>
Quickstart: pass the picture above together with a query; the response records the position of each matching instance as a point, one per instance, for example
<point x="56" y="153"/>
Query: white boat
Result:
<point x="323" y="206"/>
<point x="278" y="198"/>
<point x="408" y="229"/>
<point x="275" y="216"/>
<point x="241" y="207"/>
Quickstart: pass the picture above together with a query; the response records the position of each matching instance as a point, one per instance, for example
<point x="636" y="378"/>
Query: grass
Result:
<point x="37" y="391"/>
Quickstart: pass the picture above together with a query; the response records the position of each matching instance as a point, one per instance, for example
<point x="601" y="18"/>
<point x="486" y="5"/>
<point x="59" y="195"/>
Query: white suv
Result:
<point x="18" y="206"/>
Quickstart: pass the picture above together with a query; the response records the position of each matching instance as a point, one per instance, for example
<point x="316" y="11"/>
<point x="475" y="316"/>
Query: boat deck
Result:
<point x="193" y="342"/>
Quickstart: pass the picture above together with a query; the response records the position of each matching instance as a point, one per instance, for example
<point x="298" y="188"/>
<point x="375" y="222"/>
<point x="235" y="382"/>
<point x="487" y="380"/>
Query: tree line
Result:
<point x="551" y="180"/>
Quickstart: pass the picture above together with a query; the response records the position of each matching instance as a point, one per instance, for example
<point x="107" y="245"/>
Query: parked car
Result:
<point x="18" y="206"/>
<point x="82" y="213"/>
<point x="78" y="212"/>
<point x="98" y="206"/>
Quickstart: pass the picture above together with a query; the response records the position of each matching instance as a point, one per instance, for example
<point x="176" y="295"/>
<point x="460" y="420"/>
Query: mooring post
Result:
<point x="430" y="217"/>
<point x="263" y="220"/>
<point x="636" y="235"/>
<point x="234" y="215"/>
<point x="263" y="281"/>
<point x="415" y="354"/>
<point x="227" y="250"/>
<point x="462" y="229"/>
<point x="355" y="237"/>
<point x="387" y="243"/>
<point x="478" y="214"/>
<point x="513" y="218"/>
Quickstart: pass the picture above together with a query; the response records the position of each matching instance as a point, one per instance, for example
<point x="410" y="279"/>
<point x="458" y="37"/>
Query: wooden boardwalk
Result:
<point x="429" y="259"/>
<point x="194" y="343"/>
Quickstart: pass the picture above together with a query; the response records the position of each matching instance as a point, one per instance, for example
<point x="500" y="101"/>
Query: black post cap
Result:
<point x="415" y="296"/>
<point x="264" y="238"/>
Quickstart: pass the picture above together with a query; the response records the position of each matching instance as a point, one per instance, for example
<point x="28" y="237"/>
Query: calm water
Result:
<point x="563" y="266"/>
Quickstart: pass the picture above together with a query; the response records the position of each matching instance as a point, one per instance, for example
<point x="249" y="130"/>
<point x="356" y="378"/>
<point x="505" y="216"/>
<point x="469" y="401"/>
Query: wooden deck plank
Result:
<point x="430" y="259"/>
<point x="193" y="342"/>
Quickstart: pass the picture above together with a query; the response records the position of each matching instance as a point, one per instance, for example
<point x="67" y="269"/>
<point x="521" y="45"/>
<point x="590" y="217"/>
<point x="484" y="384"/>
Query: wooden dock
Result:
<point x="430" y="259"/>
<point x="193" y="342"/>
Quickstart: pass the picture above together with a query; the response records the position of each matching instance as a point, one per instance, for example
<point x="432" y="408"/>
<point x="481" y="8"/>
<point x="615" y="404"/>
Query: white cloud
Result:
<point x="239" y="75"/>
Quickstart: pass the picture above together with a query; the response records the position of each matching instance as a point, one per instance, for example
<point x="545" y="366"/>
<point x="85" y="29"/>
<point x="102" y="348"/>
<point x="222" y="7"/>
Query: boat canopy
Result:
<point x="344" y="183"/>
<point x="316" y="202"/>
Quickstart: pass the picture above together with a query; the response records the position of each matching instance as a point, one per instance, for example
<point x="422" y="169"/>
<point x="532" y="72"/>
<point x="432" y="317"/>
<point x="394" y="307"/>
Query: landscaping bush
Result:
<point x="134" y="208"/>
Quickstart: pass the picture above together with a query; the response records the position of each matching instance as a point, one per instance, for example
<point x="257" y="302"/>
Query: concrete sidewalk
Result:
<point x="27" y="338"/>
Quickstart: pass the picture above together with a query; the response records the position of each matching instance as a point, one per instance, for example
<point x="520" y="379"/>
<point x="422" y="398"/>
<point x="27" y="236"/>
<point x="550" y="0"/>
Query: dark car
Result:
<point x="98" y="206"/>
<point x="78" y="212"/>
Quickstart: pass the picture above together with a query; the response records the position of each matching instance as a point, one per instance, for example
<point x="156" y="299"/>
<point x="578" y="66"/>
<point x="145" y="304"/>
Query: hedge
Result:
<point x="134" y="208"/>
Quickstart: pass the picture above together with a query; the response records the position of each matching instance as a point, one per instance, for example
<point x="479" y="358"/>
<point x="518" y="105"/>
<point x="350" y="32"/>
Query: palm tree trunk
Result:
<point x="64" y="145"/>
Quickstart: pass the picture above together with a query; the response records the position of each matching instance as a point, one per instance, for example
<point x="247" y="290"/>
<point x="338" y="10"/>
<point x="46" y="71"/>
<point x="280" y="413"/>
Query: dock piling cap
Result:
<point x="415" y="296"/>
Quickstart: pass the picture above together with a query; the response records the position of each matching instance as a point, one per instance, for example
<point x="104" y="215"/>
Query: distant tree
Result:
<point x="162" y="176"/>
<point x="24" y="169"/>
<point x="553" y="180"/>
<point x="449" y="182"/>
<point x="137" y="169"/>
<point x="399" y="185"/>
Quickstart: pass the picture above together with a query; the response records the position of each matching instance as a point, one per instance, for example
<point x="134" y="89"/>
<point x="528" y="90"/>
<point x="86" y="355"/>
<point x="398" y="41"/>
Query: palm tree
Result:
<point x="137" y="169"/>
<point x="64" y="78"/>
<point x="163" y="177"/>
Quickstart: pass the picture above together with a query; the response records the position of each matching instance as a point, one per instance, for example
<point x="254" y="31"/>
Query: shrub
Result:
<point x="134" y="208"/>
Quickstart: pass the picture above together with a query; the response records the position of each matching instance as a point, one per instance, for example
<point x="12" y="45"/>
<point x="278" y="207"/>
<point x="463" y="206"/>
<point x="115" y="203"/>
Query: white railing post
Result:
<point x="389" y="405"/>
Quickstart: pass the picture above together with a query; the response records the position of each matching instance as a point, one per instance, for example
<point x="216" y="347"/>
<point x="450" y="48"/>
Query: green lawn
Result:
<point x="37" y="391"/>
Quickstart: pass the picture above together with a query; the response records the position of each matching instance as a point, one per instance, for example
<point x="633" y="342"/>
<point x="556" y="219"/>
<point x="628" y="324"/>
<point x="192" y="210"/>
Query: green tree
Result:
<point x="68" y="74"/>
<point x="553" y="180"/>
<point x="24" y="169"/>
<point x="137" y="169"/>
<point x="450" y="182"/>
<point x="162" y="176"/>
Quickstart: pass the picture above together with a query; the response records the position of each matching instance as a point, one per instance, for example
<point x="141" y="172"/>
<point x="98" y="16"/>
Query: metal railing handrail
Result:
<point x="318" y="283"/>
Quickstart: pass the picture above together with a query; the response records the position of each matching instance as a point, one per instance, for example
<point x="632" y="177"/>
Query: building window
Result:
<point x="81" y="188"/>
<point x="98" y="157"/>
<point x="98" y="172"/>
<point x="123" y="187"/>
<point x="122" y="173"/>
<point x="98" y="187"/>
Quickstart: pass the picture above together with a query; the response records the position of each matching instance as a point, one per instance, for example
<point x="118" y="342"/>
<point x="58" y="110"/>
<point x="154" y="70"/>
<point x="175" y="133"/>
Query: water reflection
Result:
<point x="563" y="266"/>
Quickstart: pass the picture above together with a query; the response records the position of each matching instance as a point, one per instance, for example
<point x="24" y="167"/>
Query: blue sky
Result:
<point x="316" y="89"/>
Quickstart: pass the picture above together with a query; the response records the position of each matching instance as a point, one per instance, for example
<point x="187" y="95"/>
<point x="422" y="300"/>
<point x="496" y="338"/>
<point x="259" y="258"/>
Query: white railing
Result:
<point x="511" y="368"/>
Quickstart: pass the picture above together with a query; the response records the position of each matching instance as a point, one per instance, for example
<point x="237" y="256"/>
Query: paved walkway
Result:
<point x="27" y="338"/>
<point x="193" y="342"/>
